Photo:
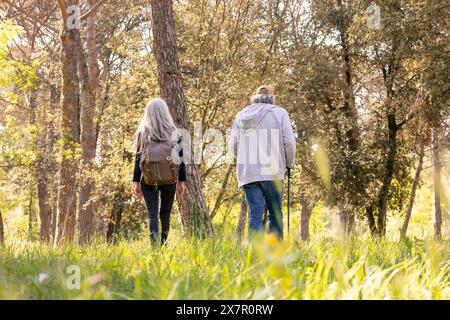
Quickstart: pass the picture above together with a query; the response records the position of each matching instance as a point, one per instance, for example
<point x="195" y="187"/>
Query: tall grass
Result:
<point x="223" y="267"/>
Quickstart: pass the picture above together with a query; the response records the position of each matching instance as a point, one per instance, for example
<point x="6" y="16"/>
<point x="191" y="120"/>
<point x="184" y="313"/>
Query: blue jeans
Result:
<point x="268" y="193"/>
<point x="151" y="196"/>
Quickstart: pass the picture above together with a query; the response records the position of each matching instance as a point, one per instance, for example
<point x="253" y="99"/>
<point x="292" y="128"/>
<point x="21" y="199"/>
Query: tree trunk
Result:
<point x="2" y="231"/>
<point x="41" y="174"/>
<point x="413" y="191"/>
<point x="242" y="217"/>
<point x="30" y="211"/>
<point x="306" y="211"/>
<point x="45" y="211"/>
<point x="112" y="232"/>
<point x="383" y="195"/>
<point x="350" y="114"/>
<point x="195" y="216"/>
<point x="54" y="211"/>
<point x="347" y="219"/>
<point x="222" y="191"/>
<point x="371" y="220"/>
<point x="88" y="146"/>
<point x="88" y="71"/>
<point x="437" y="185"/>
<point x="52" y="166"/>
<point x="67" y="189"/>
<point x="349" y="101"/>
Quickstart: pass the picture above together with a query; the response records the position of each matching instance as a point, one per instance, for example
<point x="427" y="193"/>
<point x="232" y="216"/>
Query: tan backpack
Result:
<point x="156" y="163"/>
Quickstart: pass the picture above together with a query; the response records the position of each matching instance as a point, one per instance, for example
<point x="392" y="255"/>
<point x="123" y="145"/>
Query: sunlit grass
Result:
<point x="226" y="268"/>
<point x="329" y="266"/>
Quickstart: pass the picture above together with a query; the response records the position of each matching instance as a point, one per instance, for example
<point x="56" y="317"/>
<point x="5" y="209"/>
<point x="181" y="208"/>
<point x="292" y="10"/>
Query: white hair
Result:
<point x="263" y="98"/>
<point x="156" y="124"/>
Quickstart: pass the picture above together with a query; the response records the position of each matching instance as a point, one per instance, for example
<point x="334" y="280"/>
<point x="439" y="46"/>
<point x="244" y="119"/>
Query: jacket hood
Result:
<point x="252" y="115"/>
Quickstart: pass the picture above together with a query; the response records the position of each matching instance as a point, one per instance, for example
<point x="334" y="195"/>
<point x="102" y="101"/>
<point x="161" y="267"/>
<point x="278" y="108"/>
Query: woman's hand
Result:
<point x="138" y="190"/>
<point x="181" y="188"/>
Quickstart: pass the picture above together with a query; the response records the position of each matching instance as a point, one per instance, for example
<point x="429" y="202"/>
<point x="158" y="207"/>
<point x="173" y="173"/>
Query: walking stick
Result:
<point x="289" y="198"/>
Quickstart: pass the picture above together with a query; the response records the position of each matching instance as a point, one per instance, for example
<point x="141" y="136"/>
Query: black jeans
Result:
<point x="151" y="196"/>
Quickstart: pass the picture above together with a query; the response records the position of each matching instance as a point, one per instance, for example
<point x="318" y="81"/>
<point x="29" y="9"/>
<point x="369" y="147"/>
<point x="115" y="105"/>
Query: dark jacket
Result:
<point x="137" y="176"/>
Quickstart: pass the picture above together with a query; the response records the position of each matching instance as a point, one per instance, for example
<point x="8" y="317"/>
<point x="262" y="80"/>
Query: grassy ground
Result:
<point x="329" y="266"/>
<point x="225" y="268"/>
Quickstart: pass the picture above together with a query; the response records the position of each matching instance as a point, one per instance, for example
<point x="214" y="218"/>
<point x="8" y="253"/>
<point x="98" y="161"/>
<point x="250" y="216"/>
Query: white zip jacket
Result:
<point x="263" y="143"/>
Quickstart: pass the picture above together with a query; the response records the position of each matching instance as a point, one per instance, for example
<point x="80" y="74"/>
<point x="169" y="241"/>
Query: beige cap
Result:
<point x="265" y="90"/>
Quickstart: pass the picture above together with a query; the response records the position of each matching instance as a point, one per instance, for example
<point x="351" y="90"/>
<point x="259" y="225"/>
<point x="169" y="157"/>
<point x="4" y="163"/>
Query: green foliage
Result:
<point x="14" y="73"/>
<point x="17" y="137"/>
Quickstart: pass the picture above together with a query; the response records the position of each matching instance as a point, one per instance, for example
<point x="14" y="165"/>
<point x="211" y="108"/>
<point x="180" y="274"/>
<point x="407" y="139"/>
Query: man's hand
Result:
<point x="181" y="188"/>
<point x="138" y="190"/>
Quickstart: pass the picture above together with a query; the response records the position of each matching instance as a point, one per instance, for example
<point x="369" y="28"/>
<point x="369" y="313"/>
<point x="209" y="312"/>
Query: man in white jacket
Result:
<point x="263" y="143"/>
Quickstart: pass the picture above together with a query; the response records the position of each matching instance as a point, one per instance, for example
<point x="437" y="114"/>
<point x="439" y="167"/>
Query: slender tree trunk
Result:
<point x="305" y="214"/>
<point x="53" y="186"/>
<point x="350" y="114"/>
<point x="193" y="208"/>
<point x="112" y="232"/>
<point x="88" y="73"/>
<point x="30" y="211"/>
<point x="437" y="185"/>
<point x="347" y="218"/>
<point x="2" y="231"/>
<point x="52" y="166"/>
<point x="371" y="220"/>
<point x="45" y="211"/>
<point x="41" y="174"/>
<point x="54" y="212"/>
<point x="383" y="196"/>
<point x="88" y="137"/>
<point x="413" y="191"/>
<point x="242" y="217"/>
<point x="389" y="74"/>
<point x="68" y="168"/>
<point x="92" y="52"/>
<point x="349" y="102"/>
<point x="222" y="191"/>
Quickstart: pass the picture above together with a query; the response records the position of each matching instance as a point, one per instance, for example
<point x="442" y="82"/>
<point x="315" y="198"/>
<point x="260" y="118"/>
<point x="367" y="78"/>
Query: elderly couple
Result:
<point x="262" y="141"/>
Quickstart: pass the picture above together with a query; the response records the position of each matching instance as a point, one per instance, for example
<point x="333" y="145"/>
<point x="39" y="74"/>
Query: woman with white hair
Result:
<point x="156" y="131"/>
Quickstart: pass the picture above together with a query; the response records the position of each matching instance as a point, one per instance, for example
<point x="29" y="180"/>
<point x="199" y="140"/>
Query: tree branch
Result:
<point x="92" y="10"/>
<point x="62" y="9"/>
